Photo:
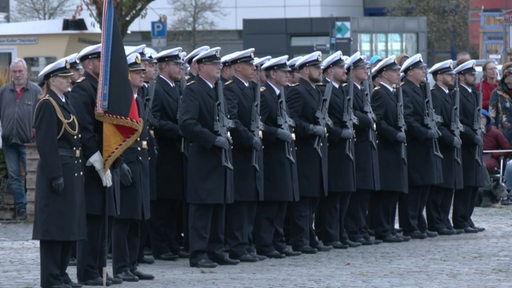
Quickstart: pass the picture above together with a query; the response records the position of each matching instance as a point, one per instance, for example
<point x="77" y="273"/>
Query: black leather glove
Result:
<point x="256" y="143"/>
<point x="126" y="175"/>
<point x="456" y="142"/>
<point x="221" y="142"/>
<point x="347" y="133"/>
<point x="58" y="185"/>
<point x="316" y="130"/>
<point x="431" y="134"/>
<point x="284" y="135"/>
<point x="478" y="140"/>
<point x="400" y="137"/>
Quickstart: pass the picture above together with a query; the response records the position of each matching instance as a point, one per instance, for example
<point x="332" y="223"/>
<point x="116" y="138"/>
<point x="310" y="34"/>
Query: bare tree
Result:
<point x="39" y="9"/>
<point x="193" y="15"/>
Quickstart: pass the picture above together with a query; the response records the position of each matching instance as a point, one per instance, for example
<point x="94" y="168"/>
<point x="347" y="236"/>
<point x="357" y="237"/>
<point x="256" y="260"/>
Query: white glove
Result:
<point x="107" y="179"/>
<point x="96" y="160"/>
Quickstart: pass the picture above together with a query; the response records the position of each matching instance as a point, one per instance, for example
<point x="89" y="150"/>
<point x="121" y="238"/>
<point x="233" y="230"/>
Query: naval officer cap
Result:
<point x="334" y="59"/>
<point x="245" y="56"/>
<point x="413" y="62"/>
<point x="388" y="63"/>
<point x="190" y="57"/>
<point x="58" y="68"/>
<point x="355" y="61"/>
<point x="135" y="62"/>
<point x="259" y="62"/>
<point x="170" y="55"/>
<point x="137" y="49"/>
<point x="444" y="67"/>
<point x="89" y="52"/>
<point x="73" y="61"/>
<point x="210" y="55"/>
<point x="312" y="59"/>
<point x="293" y="62"/>
<point x="467" y="67"/>
<point x="278" y="63"/>
<point x="226" y="59"/>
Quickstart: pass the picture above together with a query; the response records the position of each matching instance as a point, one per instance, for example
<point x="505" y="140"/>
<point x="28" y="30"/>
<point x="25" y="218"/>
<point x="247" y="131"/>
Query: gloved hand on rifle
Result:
<point x="221" y="142"/>
<point x="400" y="137"/>
<point x="431" y="134"/>
<point x="316" y="130"/>
<point x="347" y="133"/>
<point x="58" y="185"/>
<point x="478" y="140"/>
<point x="256" y="143"/>
<point x="284" y="135"/>
<point x="456" y="142"/>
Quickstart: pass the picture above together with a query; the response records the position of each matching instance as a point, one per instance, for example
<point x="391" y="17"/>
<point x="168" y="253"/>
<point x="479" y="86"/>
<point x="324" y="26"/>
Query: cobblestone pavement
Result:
<point x="466" y="260"/>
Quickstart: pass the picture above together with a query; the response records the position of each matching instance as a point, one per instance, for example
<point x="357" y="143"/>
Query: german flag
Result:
<point x="115" y="104"/>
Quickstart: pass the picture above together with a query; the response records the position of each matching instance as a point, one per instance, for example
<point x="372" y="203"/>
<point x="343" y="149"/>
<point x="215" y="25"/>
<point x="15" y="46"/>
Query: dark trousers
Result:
<point x="166" y="221"/>
<point x="355" y="220"/>
<point x="411" y="209"/>
<point x="268" y="227"/>
<point x="383" y="207"/>
<point x="302" y="221"/>
<point x="144" y="240"/>
<point x="438" y="208"/>
<point x="328" y="218"/>
<point x="54" y="257"/>
<point x="206" y="231"/>
<point x="239" y="227"/>
<point x="91" y="253"/>
<point x="463" y="206"/>
<point x="344" y="202"/>
<point x="125" y="244"/>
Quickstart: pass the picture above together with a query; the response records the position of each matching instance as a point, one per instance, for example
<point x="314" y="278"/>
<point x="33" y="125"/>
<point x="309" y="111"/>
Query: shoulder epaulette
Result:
<point x="229" y="82"/>
<point x="320" y="84"/>
<point x="402" y="83"/>
<point x="187" y="77"/>
<point x="344" y="84"/>
<point x="80" y="79"/>
<point x="376" y="88"/>
<point x="263" y="88"/>
<point x="191" y="82"/>
<point x="294" y="84"/>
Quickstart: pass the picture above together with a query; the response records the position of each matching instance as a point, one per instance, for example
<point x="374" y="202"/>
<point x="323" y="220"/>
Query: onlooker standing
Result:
<point x="17" y="101"/>
<point x="488" y="83"/>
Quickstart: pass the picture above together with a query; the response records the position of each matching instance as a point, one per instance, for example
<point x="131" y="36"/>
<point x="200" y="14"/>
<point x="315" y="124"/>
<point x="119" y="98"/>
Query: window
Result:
<point x="36" y="64"/>
<point x="386" y="44"/>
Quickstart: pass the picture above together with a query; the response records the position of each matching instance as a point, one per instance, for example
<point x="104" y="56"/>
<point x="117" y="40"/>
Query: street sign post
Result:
<point x="158" y="34"/>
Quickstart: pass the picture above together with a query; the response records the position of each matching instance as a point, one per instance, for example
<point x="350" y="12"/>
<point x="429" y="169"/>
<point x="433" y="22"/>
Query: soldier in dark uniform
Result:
<point x="303" y="100"/>
<point x="226" y="73"/>
<point x="423" y="155"/>
<point x="90" y="252"/>
<point x="392" y="151"/>
<point x="60" y="180"/>
<point x="473" y="170"/>
<point x="260" y="74"/>
<point x="367" y="164"/>
<point x="441" y="195"/>
<point x="168" y="208"/>
<point x="280" y="178"/>
<point x="75" y="68"/>
<point x="189" y="60"/>
<point x="247" y="156"/>
<point x="209" y="172"/>
<point x="134" y="205"/>
<point x="293" y="75"/>
<point x="332" y="208"/>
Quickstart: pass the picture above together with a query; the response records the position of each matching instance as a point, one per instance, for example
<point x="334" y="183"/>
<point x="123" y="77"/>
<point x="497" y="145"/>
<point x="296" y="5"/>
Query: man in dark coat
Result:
<point x="367" y="164"/>
<point x="90" y="252"/>
<point x="59" y="218"/>
<point x="440" y="197"/>
<point x="279" y="160"/>
<point x="247" y="156"/>
<point x="192" y="65"/>
<point x="392" y="151"/>
<point x="304" y="100"/>
<point x="209" y="169"/>
<point x="332" y="208"/>
<point x="472" y="142"/>
<point x="423" y="155"/>
<point x="168" y="207"/>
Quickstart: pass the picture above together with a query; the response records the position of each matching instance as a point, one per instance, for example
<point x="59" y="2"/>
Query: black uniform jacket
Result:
<point x="248" y="180"/>
<point x="208" y="182"/>
<point x="303" y="101"/>
<point x="58" y="216"/>
<point x="452" y="169"/>
<point x="83" y="99"/>
<point x="393" y="170"/>
<point x="425" y="168"/>
<point x="280" y="179"/>
<point x="169" y="163"/>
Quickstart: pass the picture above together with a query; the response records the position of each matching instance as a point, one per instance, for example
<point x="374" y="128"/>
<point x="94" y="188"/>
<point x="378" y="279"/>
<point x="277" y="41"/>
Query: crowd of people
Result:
<point x="241" y="159"/>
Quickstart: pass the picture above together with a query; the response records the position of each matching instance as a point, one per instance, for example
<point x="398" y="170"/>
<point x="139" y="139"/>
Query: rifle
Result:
<point x="456" y="126"/>
<point x="321" y="115"/>
<point x="401" y="121"/>
<point x="348" y="116"/>
<point x="367" y="108"/>
<point x="222" y="124"/>
<point x="431" y="120"/>
<point x="256" y="125"/>
<point x="286" y="123"/>
<point x="477" y="127"/>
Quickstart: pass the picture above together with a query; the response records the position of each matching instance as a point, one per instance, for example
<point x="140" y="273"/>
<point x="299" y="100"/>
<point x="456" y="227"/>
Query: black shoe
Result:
<point x="226" y="261"/>
<point x="306" y="250"/>
<point x="204" y="263"/>
<point x="416" y="235"/>
<point x="337" y="245"/>
<point x="95" y="282"/>
<point x="431" y="234"/>
<point x="390" y="239"/>
<point x="351" y="243"/>
<point x="60" y="286"/>
<point x="146" y="260"/>
<point x="183" y="254"/>
<point x="246" y="258"/>
<point x="114" y="280"/>
<point x="259" y="257"/>
<point x="275" y="254"/>
<point x="167" y="256"/>
<point x="470" y="230"/>
<point x="446" y="231"/>
<point x="127" y="276"/>
<point x="479" y="229"/>
<point x="142" y="275"/>
<point x="289" y="252"/>
<point x="21" y="214"/>
<point x="71" y="284"/>
<point x="323" y="248"/>
<point x="403" y="238"/>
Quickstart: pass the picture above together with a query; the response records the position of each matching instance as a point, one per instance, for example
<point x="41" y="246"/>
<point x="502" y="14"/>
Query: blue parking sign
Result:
<point x="158" y="29"/>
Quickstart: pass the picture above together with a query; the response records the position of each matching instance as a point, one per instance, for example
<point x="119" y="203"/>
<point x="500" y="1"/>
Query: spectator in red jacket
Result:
<point x="493" y="140"/>
<point x="489" y="82"/>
